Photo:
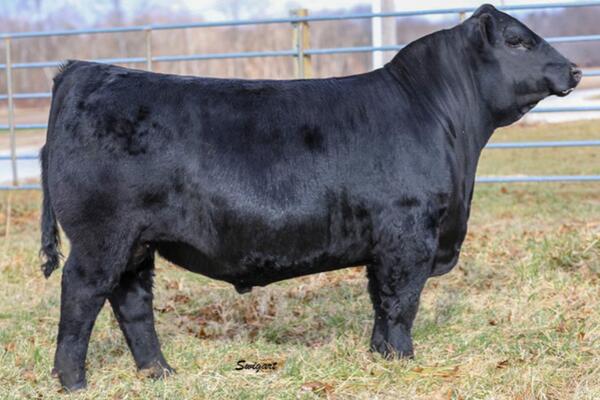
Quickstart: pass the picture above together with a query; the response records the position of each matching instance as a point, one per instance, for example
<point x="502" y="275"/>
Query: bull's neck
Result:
<point x="437" y="73"/>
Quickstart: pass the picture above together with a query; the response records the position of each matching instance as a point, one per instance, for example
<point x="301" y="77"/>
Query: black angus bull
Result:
<point x="252" y="182"/>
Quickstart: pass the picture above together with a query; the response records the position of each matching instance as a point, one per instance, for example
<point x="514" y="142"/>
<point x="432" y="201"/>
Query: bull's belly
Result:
<point x="257" y="248"/>
<point x="257" y="268"/>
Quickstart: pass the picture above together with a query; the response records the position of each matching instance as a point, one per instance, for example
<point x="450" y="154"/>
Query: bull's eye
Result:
<point x="519" y="43"/>
<point x="514" y="41"/>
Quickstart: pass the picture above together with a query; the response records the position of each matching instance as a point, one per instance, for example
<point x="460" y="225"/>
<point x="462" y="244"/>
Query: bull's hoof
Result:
<point x="156" y="370"/>
<point x="388" y="351"/>
<point x="75" y="387"/>
<point x="70" y="382"/>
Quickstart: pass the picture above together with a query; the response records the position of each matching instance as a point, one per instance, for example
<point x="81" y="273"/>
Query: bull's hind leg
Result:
<point x="82" y="296"/>
<point x="132" y="304"/>
<point x="405" y="254"/>
<point x="89" y="275"/>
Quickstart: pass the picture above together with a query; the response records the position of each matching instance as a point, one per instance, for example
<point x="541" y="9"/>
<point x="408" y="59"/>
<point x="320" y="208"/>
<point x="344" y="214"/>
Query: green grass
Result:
<point x="518" y="318"/>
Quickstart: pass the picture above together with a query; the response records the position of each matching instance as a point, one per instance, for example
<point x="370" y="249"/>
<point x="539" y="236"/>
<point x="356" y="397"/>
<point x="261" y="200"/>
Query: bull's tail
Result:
<point x="50" y="237"/>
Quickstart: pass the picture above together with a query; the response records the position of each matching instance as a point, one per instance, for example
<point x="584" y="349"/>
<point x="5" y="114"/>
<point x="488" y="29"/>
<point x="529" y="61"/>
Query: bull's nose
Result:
<point x="576" y="73"/>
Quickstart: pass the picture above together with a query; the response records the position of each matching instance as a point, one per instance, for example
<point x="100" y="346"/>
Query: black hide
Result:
<point x="252" y="182"/>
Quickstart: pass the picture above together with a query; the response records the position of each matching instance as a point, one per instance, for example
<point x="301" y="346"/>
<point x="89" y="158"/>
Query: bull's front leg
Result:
<point x="405" y="254"/>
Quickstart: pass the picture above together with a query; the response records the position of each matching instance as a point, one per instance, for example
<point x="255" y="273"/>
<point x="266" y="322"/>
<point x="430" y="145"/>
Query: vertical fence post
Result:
<point x="148" y="37"/>
<point x="301" y="39"/>
<point x="383" y="31"/>
<point x="11" y="113"/>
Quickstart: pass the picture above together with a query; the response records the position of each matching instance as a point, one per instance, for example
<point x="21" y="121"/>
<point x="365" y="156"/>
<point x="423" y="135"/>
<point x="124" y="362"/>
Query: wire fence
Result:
<point x="302" y="54"/>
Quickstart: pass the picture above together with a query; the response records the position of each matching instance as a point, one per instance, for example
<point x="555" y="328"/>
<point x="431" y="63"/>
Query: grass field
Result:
<point x="518" y="318"/>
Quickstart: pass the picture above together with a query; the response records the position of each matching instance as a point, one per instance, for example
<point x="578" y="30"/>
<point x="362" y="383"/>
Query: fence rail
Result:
<point x="294" y="19"/>
<point x="302" y="55"/>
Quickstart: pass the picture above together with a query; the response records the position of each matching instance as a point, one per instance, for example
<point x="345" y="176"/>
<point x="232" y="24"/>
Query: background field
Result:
<point x="518" y="318"/>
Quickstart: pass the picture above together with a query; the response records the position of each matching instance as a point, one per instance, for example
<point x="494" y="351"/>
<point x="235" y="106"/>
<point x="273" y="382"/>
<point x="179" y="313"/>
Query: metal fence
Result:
<point x="300" y="52"/>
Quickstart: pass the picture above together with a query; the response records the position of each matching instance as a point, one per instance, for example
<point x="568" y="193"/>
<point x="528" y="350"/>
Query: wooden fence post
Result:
<point x="301" y="42"/>
<point x="148" y="37"/>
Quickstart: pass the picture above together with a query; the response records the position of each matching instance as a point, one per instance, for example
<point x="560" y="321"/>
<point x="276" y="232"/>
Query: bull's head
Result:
<point x="516" y="67"/>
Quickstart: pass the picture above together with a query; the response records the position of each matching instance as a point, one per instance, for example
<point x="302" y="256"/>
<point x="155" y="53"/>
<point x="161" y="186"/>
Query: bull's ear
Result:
<point x="487" y="28"/>
<point x="485" y="8"/>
